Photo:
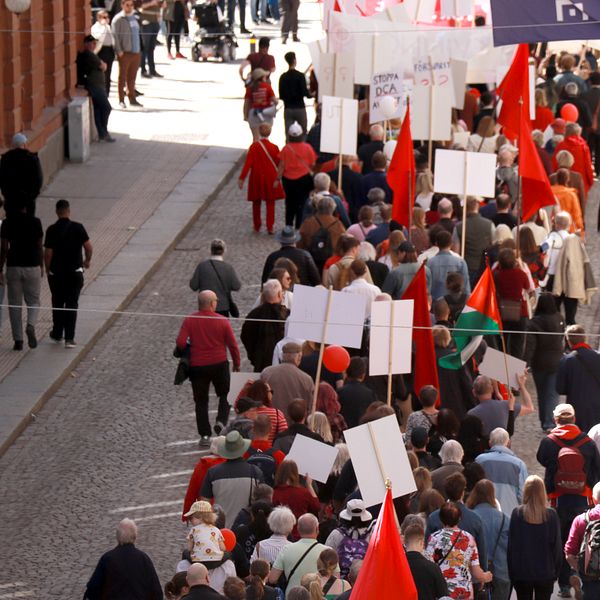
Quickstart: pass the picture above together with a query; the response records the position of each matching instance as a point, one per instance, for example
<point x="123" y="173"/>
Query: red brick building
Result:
<point x="37" y="52"/>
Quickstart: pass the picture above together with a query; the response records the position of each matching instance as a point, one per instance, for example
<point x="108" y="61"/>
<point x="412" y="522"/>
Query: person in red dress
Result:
<point x="578" y="147"/>
<point x="261" y="162"/>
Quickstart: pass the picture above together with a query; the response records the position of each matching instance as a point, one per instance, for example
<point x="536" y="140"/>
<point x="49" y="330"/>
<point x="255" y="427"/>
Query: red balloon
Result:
<point x="336" y="359"/>
<point x="230" y="539"/>
<point x="569" y="112"/>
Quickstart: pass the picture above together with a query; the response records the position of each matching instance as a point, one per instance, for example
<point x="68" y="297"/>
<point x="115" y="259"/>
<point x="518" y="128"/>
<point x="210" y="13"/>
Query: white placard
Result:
<point x="532" y="77"/>
<point x="456" y="8"/>
<point x="441" y="116"/>
<point x="388" y="83"/>
<point x="450" y="173"/>
<point x="315" y="49"/>
<point x="420" y="10"/>
<point x="336" y="75"/>
<point x="438" y="67"/>
<point x="346" y="317"/>
<point x="312" y="457"/>
<point x="236" y="382"/>
<point x="380" y="337"/>
<point x="459" y="81"/>
<point x="494" y="367"/>
<point x="339" y="125"/>
<point x="392" y="452"/>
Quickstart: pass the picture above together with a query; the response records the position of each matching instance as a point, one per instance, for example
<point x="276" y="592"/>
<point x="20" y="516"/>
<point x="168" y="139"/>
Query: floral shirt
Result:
<point x="206" y="540"/>
<point x="456" y="567"/>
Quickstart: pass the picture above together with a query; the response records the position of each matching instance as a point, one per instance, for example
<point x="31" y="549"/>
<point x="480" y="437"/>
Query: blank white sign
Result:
<point x="346" y="316"/>
<point x="339" y="125"/>
<point x="441" y="117"/>
<point x="396" y="467"/>
<point x="380" y="337"/>
<point x="494" y="367"/>
<point x="312" y="457"/>
<point x="336" y="75"/>
<point x="236" y="382"/>
<point x="450" y="173"/>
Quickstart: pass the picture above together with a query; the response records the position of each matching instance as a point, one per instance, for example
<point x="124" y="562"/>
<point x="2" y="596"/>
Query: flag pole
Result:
<point x="518" y="202"/>
<point x="463" y="240"/>
<point x="431" y="97"/>
<point x="387" y="481"/>
<point x="339" y="179"/>
<point x="390" y="354"/>
<point x="505" y="361"/>
<point x="322" y="349"/>
<point x="410" y="190"/>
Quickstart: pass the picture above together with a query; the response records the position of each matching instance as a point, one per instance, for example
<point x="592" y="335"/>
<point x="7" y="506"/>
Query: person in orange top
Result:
<point x="261" y="162"/>
<point x="568" y="200"/>
<point x="578" y="147"/>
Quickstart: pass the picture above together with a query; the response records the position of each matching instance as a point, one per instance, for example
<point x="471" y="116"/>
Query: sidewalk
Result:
<point x="135" y="198"/>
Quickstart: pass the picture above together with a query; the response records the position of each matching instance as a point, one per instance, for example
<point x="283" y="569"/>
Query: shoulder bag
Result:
<point x="283" y="584"/>
<point x="234" y="311"/>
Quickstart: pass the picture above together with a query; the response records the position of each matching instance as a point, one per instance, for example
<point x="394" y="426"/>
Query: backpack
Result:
<point x="350" y="549"/>
<point x="588" y="559"/>
<point x="265" y="461"/>
<point x="321" y="247"/>
<point x="570" y="474"/>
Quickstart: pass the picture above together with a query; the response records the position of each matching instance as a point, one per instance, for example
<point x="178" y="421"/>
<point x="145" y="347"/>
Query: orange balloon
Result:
<point x="569" y="112"/>
<point x="230" y="539"/>
<point x="336" y="358"/>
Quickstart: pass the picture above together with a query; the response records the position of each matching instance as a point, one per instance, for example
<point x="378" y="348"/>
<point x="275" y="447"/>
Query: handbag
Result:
<point x="283" y="581"/>
<point x="510" y="310"/>
<point x="234" y="311"/>
<point x="183" y="367"/>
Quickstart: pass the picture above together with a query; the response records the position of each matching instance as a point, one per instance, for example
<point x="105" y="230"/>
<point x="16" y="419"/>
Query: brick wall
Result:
<point x="37" y="53"/>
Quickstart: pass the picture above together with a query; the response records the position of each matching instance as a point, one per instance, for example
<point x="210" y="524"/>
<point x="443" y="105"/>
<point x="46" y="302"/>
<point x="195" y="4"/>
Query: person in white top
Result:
<point x="359" y="285"/>
<point x="424" y="190"/>
<point x="104" y="48"/>
<point x="281" y="522"/>
<point x="562" y="223"/>
<point x="484" y="139"/>
<point x="205" y="541"/>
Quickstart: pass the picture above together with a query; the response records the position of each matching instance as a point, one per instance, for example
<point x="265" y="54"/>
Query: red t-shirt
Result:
<point x="297" y="158"/>
<point x="260" y="96"/>
<point x="510" y="284"/>
<point x="258" y="60"/>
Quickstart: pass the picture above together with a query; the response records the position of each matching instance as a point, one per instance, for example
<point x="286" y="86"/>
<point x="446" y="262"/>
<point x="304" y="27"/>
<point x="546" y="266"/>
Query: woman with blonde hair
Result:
<point x="318" y="423"/>
<point x="423" y="481"/>
<point x="312" y="583"/>
<point x="484" y="139"/>
<point x="327" y="566"/>
<point x="534" y="544"/>
<point x="424" y="190"/>
<point x="388" y="250"/>
<point x="543" y="115"/>
<point x="419" y="235"/>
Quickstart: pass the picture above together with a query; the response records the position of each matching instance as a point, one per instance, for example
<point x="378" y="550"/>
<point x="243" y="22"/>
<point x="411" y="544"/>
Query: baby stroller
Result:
<point x="214" y="38"/>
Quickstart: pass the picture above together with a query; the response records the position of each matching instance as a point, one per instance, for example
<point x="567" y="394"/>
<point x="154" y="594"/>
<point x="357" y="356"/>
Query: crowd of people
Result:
<point x="478" y="525"/>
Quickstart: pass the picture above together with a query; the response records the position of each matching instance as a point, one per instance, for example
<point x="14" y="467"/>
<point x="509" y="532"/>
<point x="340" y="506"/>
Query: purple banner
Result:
<point x="529" y="21"/>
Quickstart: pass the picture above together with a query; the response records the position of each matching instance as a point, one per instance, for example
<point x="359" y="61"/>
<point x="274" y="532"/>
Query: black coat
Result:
<point x="354" y="398"/>
<point x="260" y="338"/>
<point x="125" y="573"/>
<point x="543" y="352"/>
<point x="307" y="269"/>
<point x="203" y="592"/>
<point x="456" y="391"/>
<point x="21" y="177"/>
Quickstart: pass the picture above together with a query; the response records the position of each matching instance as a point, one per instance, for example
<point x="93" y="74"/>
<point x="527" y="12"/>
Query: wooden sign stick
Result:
<point x="321" y="350"/>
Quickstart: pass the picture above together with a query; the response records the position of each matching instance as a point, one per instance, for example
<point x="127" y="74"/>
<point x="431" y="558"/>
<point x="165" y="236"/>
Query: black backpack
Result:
<point x="265" y="461"/>
<point x="321" y="247"/>
<point x="589" y="553"/>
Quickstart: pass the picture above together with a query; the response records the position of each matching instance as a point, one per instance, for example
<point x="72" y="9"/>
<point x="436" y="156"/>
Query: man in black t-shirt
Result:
<point x="64" y="262"/>
<point x="293" y="90"/>
<point x="21" y="250"/>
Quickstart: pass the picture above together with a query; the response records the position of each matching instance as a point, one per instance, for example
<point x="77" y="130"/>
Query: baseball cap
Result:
<point x="564" y="410"/>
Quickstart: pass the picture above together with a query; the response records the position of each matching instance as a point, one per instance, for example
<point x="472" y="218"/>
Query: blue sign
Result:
<point x="530" y="21"/>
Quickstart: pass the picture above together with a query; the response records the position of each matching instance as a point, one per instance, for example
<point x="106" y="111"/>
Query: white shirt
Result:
<point x="206" y="540"/>
<point x="270" y="548"/>
<point x="555" y="243"/>
<point x="366" y="289"/>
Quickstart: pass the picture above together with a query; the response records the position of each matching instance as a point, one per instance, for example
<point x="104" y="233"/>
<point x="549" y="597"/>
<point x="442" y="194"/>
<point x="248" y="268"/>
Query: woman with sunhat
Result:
<point x="260" y="102"/>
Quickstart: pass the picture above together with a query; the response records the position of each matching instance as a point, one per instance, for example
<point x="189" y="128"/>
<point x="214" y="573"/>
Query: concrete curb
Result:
<point x="41" y="373"/>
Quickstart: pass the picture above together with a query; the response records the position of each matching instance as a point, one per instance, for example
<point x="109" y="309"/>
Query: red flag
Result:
<point x="385" y="574"/>
<point x="425" y="367"/>
<point x="535" y="185"/>
<point x="514" y="91"/>
<point x="401" y="175"/>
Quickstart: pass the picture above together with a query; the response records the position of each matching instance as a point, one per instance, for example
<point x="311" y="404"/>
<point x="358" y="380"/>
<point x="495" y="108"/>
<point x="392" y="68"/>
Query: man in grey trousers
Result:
<point x="220" y="277"/>
<point x="21" y="251"/>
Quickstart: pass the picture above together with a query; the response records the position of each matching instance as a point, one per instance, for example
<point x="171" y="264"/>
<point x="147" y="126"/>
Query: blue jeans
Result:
<point x="149" y="33"/>
<point x="262" y="9"/>
<point x="545" y="385"/>
<point x="591" y="590"/>
<point x="274" y="10"/>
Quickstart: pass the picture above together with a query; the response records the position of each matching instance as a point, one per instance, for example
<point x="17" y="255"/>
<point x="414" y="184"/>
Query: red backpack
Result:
<point x="570" y="474"/>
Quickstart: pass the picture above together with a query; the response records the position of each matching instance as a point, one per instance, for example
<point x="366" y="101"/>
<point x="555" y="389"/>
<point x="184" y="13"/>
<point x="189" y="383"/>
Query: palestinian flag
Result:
<point x="480" y="313"/>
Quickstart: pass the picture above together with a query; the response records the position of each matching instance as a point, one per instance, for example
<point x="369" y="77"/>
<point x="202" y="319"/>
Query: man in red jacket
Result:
<point x="209" y="336"/>
<point x="578" y="147"/>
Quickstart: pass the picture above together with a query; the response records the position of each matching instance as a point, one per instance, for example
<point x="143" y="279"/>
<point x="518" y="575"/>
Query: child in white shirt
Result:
<point x="205" y="542"/>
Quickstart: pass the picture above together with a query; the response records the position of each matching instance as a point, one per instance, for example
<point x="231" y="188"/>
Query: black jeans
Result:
<point x="65" y="289"/>
<point x="526" y="589"/>
<point x="149" y="34"/>
<point x="201" y="378"/>
<point x="102" y="109"/>
<point x="568" y="507"/>
<point x="296" y="192"/>
<point x="231" y="12"/>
